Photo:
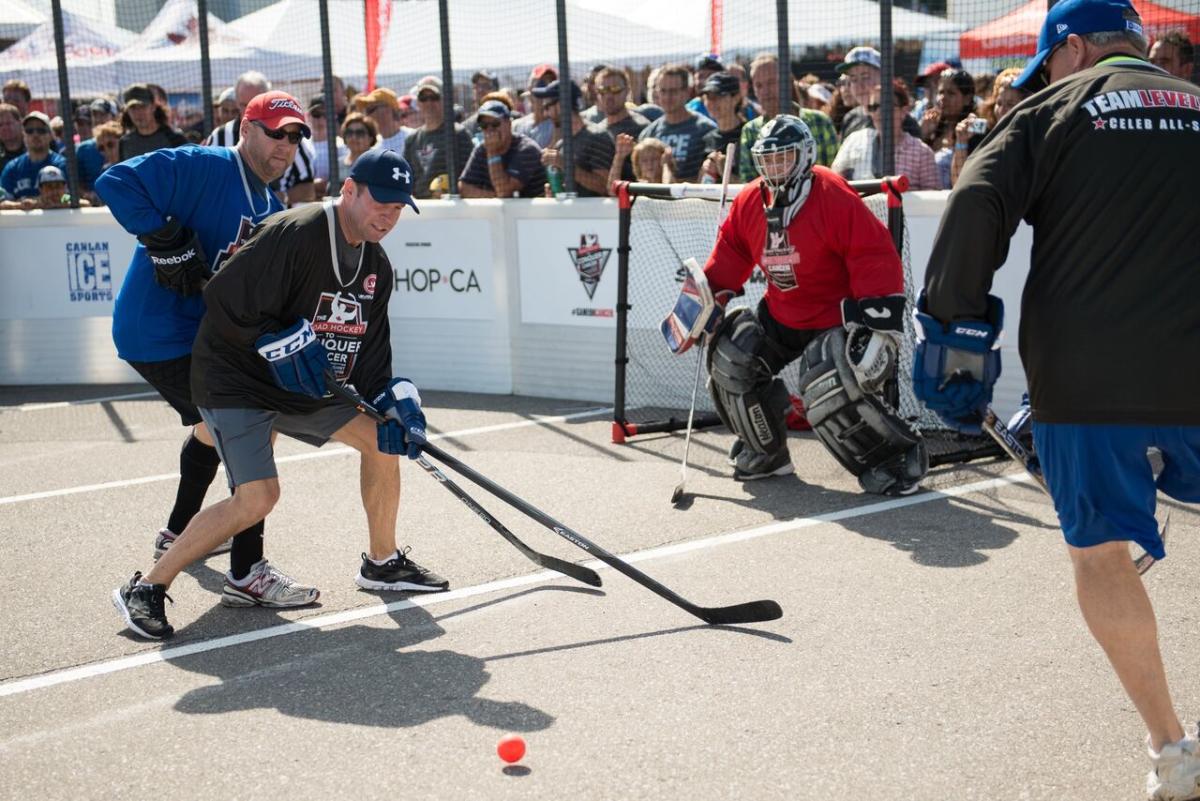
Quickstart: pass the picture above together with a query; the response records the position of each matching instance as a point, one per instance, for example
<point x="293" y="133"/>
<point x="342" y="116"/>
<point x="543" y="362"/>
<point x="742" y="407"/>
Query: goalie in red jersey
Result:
<point x="835" y="300"/>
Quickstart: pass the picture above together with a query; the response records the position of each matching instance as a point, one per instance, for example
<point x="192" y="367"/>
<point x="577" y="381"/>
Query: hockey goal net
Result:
<point x="661" y="225"/>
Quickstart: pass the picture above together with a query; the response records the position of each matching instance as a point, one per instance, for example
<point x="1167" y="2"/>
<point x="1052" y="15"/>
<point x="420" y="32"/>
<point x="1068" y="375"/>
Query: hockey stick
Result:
<point x="577" y="572"/>
<point x="677" y="495"/>
<point x="752" y="612"/>
<point x="1005" y="439"/>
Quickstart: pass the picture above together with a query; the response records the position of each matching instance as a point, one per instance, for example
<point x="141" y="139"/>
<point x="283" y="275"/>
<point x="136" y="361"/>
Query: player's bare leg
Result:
<point x="386" y="566"/>
<point x="1119" y="614"/>
<point x="250" y="503"/>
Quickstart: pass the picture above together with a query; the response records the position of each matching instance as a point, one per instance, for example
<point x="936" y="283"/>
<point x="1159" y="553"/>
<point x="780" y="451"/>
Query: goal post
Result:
<point x="660" y="226"/>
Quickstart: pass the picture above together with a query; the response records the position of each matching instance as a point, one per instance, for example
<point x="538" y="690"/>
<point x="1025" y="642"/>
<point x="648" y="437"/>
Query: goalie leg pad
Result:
<point x="750" y="400"/>
<point x="864" y="434"/>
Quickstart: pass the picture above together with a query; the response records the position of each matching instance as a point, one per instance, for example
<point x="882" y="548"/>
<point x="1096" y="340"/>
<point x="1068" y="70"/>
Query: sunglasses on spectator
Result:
<point x="372" y="109"/>
<point x="110" y="143"/>
<point x="293" y="137"/>
<point x="610" y="90"/>
<point x="317" y="115"/>
<point x="38" y="131"/>
<point x="429" y="97"/>
<point x="489" y="126"/>
<point x="353" y="132"/>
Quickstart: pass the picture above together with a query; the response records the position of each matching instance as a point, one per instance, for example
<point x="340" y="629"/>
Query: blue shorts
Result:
<point x="1102" y="482"/>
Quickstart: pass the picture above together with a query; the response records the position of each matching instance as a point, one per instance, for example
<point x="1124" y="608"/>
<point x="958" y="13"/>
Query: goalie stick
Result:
<point x="1005" y="439"/>
<point x="577" y="572"/>
<point x="694" y="268"/>
<point x="750" y="612"/>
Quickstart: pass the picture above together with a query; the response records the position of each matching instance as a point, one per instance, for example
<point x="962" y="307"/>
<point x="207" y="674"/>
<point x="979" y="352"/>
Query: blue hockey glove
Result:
<point x="956" y="365"/>
<point x="404" y="430"/>
<point x="298" y="361"/>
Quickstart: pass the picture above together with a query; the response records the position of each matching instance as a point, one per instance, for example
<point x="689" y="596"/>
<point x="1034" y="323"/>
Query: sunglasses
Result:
<point x="353" y="132"/>
<point x="317" y="115"/>
<point x="372" y="109"/>
<point x="107" y="144"/>
<point x="38" y="131"/>
<point x="429" y="98"/>
<point x="610" y="90"/>
<point x="293" y="137"/>
<point x="489" y="126"/>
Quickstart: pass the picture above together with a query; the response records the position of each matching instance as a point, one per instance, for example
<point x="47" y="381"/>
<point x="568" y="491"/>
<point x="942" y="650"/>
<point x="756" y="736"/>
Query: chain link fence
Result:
<point x="350" y="60"/>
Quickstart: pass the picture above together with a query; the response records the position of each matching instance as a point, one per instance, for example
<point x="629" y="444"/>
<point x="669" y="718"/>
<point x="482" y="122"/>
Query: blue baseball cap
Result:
<point x="551" y="92"/>
<point x="386" y="175"/>
<point x="1076" y="17"/>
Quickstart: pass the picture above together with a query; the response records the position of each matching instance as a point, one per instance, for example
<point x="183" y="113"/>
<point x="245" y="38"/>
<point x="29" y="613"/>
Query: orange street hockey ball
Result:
<point x="511" y="747"/>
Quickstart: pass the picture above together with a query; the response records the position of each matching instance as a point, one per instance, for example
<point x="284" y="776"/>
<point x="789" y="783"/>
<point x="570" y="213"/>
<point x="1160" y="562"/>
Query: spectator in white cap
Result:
<point x="52" y="189"/>
<point x="19" y="177"/>
<point x="226" y="110"/>
<point x="863" y="73"/>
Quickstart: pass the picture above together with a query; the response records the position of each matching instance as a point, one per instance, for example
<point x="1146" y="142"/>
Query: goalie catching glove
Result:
<point x="874" y="327"/>
<point x="178" y="259"/>
<point x="298" y="361"/>
<point x="697" y="312"/>
<point x="404" y="430"/>
<point x="957" y="364"/>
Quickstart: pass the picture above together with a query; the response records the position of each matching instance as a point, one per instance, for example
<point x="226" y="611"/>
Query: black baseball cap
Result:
<point x="138" y="93"/>
<point x="550" y="92"/>
<point x="721" y="83"/>
<point x="708" y="62"/>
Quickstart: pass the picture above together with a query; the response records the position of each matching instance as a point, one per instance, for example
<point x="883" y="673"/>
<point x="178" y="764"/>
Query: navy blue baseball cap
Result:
<point x="387" y="175"/>
<point x="1076" y="17"/>
<point x="550" y="92"/>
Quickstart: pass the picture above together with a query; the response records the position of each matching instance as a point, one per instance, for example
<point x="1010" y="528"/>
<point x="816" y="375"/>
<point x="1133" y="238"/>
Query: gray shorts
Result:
<point x="243" y="436"/>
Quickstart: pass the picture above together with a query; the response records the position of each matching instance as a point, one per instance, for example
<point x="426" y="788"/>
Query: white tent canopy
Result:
<point x="815" y="23"/>
<point x="483" y="34"/>
<point x="90" y="49"/>
<point x="168" y="52"/>
<point x="17" y="19"/>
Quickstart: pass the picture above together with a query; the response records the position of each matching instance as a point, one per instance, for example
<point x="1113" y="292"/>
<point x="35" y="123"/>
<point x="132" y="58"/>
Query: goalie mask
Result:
<point x="784" y="155"/>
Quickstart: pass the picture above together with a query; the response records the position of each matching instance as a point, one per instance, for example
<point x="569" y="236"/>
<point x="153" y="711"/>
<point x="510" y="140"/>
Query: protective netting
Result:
<point x="658" y="384"/>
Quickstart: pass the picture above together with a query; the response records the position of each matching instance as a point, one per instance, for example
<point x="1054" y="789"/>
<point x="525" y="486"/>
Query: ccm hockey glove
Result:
<point x="178" y="259"/>
<point x="298" y="361"/>
<point x="957" y="364"/>
<point x="404" y="430"/>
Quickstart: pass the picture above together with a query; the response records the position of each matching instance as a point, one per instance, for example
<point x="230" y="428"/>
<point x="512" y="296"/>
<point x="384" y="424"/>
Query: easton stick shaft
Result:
<point x="749" y="612"/>
<point x="577" y="572"/>
<point x="1014" y="448"/>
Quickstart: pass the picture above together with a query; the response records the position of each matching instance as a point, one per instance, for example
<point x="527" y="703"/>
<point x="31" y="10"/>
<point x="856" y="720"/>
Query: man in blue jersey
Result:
<point x="191" y="208"/>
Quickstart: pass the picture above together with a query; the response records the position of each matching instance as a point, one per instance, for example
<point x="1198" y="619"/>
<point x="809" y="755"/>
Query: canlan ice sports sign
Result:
<point x="89" y="272"/>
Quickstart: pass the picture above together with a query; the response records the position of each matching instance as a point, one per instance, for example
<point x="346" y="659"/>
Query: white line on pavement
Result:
<point x="324" y="453"/>
<point x="38" y="407"/>
<point x="70" y="675"/>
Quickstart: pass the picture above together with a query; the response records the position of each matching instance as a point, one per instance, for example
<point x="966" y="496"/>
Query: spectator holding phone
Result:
<point x="969" y="133"/>
<point x="955" y="100"/>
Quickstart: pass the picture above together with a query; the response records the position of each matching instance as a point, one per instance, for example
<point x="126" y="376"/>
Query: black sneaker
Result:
<point x="399" y="573"/>
<point x="751" y="466"/>
<point x="141" y="605"/>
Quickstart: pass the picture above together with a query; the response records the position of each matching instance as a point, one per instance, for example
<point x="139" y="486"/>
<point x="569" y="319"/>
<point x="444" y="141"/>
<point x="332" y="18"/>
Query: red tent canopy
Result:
<point x="1016" y="33"/>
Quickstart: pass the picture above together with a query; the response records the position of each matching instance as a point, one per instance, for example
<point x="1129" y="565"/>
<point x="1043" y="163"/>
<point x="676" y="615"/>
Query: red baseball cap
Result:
<point x="275" y="110"/>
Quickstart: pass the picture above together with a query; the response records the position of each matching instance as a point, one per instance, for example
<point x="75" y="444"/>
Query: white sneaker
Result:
<point x="267" y="586"/>
<point x="166" y="538"/>
<point x="1176" y="772"/>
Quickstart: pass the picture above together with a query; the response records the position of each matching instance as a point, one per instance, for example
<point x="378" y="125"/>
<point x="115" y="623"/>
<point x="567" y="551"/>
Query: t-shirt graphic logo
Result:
<point x="779" y="258"/>
<point x="778" y="240"/>
<point x="245" y="228"/>
<point x="339" y="323"/>
<point x="589" y="260"/>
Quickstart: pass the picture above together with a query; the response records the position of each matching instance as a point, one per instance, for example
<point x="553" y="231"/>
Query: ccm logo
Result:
<point x="971" y="332"/>
<point x="180" y="259"/>
<point x="292" y="344"/>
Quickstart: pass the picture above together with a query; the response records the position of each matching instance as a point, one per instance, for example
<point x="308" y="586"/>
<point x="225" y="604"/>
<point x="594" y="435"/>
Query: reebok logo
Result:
<point x="168" y="260"/>
<point x="971" y="332"/>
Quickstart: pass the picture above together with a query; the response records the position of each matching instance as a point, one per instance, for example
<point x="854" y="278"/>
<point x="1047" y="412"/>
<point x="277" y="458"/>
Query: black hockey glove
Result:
<point x="874" y="327"/>
<point x="178" y="259"/>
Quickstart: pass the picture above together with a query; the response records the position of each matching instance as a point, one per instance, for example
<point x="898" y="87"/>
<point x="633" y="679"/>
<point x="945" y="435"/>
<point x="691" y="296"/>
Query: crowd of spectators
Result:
<point x="674" y="123"/>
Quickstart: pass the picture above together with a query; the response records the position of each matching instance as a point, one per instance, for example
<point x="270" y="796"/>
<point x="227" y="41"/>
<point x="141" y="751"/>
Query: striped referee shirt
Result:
<point x="302" y="170"/>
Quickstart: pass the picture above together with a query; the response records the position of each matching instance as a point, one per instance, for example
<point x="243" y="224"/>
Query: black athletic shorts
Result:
<point x="172" y="379"/>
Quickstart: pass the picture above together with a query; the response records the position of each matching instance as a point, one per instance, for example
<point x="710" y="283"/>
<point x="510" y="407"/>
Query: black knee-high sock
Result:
<point x="247" y="549"/>
<point x="197" y="468"/>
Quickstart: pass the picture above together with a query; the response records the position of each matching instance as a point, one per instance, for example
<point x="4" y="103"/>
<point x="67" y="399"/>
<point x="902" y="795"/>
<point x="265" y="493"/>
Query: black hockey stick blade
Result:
<point x="750" y="612"/>
<point x="577" y="572"/>
<point x="753" y="612"/>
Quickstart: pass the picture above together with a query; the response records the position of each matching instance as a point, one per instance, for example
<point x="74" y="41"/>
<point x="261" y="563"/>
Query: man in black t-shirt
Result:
<point x="425" y="148"/>
<point x="592" y="147"/>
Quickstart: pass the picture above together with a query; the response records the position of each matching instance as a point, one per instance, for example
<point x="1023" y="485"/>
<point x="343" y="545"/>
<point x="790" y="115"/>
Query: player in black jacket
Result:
<point x="1110" y="328"/>
<point x="304" y="298"/>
